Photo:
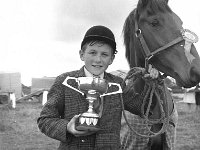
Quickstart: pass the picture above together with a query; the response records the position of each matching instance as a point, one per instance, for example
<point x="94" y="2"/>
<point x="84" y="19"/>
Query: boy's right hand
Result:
<point x="152" y="73"/>
<point x="71" y="128"/>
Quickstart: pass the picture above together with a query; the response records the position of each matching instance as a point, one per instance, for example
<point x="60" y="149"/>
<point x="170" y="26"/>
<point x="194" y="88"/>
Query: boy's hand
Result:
<point x="152" y="73"/>
<point x="71" y="127"/>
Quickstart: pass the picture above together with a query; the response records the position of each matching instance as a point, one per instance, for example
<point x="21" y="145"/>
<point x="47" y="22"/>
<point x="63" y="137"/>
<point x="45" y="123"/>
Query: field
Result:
<point x="18" y="128"/>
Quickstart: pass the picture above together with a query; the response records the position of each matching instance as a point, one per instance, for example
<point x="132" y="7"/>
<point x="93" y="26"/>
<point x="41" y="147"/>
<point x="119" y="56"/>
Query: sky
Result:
<point x="42" y="37"/>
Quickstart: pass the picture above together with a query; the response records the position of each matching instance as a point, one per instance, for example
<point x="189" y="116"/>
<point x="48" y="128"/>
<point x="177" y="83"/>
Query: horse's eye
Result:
<point x="154" y="23"/>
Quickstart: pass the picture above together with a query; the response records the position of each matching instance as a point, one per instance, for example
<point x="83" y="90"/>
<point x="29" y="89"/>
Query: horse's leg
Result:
<point x="156" y="143"/>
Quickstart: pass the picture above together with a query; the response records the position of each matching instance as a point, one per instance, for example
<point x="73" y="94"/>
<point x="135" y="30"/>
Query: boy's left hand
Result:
<point x="152" y="73"/>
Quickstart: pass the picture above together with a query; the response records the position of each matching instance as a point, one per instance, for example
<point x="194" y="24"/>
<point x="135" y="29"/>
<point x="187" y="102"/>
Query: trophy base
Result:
<point x="87" y="128"/>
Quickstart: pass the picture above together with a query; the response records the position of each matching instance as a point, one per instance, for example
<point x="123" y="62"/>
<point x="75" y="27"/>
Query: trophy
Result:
<point x="92" y="88"/>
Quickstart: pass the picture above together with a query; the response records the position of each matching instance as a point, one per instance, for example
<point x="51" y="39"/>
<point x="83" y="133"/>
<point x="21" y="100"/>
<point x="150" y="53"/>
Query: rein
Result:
<point x="148" y="54"/>
<point x="155" y="86"/>
<point x="186" y="35"/>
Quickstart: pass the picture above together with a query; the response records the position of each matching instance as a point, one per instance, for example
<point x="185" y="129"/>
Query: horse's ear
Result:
<point x="143" y="3"/>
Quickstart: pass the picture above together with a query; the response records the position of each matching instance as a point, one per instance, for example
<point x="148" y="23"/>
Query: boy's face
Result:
<point x="97" y="57"/>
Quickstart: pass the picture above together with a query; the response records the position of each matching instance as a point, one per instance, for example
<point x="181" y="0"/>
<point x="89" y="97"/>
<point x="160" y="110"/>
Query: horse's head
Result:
<point x="153" y="32"/>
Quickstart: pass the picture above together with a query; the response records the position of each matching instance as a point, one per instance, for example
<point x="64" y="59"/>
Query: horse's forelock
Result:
<point x="154" y="5"/>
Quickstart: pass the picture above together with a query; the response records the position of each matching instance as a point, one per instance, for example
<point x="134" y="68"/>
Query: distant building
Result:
<point x="192" y="95"/>
<point x="10" y="82"/>
<point x="41" y="83"/>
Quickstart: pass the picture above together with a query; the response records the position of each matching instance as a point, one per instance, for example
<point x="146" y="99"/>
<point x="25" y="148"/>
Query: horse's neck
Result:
<point x="139" y="86"/>
<point x="135" y="54"/>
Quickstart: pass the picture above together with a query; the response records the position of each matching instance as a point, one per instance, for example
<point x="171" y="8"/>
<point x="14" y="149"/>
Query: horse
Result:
<point x="153" y="34"/>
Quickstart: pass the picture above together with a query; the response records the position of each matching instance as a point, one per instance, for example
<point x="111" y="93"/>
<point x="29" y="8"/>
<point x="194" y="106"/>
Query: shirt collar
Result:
<point x="88" y="74"/>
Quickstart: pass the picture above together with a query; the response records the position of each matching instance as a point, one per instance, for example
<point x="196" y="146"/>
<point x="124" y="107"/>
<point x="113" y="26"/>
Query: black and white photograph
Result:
<point x="100" y="75"/>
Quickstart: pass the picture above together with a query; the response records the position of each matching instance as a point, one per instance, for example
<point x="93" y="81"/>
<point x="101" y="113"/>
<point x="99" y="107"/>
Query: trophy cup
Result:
<point x="92" y="88"/>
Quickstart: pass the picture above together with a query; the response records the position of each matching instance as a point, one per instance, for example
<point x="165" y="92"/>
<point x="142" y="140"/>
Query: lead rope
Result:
<point x="149" y="90"/>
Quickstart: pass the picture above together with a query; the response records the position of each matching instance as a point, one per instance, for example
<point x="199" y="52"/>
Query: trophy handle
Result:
<point x="116" y="92"/>
<point x="66" y="84"/>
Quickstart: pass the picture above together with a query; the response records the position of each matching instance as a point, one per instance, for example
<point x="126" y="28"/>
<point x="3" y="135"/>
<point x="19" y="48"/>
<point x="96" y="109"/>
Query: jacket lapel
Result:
<point x="80" y="73"/>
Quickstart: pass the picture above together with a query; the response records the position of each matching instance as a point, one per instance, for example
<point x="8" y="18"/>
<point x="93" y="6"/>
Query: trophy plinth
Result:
<point x="93" y="88"/>
<point x="88" y="121"/>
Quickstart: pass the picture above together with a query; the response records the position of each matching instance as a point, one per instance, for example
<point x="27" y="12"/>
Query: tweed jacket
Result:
<point x="53" y="126"/>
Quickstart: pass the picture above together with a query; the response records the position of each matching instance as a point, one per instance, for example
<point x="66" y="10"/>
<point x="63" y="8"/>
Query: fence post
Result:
<point x="13" y="99"/>
<point x="44" y="97"/>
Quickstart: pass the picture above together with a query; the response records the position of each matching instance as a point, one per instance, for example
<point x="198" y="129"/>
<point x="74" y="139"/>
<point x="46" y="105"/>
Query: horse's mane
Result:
<point x="153" y="6"/>
<point x="128" y="33"/>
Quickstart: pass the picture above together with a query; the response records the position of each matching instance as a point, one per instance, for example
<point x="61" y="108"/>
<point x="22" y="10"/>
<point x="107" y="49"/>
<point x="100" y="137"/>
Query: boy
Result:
<point x="98" y="50"/>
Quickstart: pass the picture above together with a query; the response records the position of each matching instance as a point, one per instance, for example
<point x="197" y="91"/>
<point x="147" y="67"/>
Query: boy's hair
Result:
<point x="93" y="42"/>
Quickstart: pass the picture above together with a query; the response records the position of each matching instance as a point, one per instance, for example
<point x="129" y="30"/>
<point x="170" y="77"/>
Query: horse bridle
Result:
<point x="186" y="35"/>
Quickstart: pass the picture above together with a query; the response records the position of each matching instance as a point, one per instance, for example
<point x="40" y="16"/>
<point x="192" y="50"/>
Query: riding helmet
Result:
<point x="101" y="33"/>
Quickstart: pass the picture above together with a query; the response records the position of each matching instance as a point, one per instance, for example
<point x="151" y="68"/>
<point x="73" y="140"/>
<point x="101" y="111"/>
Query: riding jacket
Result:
<point x="53" y="126"/>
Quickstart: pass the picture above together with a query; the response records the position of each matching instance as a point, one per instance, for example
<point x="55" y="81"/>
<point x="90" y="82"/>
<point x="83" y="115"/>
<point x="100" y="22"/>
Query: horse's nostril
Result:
<point x="195" y="75"/>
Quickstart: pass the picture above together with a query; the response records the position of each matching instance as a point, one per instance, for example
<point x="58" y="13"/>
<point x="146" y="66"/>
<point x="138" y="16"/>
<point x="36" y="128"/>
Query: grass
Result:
<point x="18" y="128"/>
<point x="188" y="131"/>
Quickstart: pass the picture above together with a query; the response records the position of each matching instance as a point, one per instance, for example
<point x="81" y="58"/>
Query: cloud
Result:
<point x="42" y="37"/>
<point x="74" y="18"/>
